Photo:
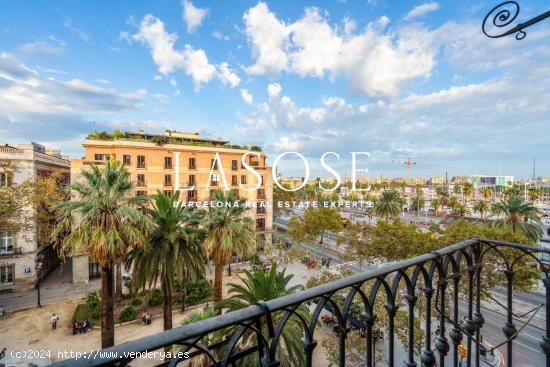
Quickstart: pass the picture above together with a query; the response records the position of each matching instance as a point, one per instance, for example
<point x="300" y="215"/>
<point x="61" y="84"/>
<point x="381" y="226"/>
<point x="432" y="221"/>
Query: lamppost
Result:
<point x="38" y="268"/>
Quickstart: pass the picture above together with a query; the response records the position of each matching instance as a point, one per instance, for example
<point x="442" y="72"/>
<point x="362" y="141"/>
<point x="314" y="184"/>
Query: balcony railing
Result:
<point x="441" y="278"/>
<point x="7" y="253"/>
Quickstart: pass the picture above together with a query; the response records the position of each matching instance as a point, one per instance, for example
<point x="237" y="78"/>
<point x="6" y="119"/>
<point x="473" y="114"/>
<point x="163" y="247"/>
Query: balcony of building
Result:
<point x="423" y="311"/>
<point x="9" y="252"/>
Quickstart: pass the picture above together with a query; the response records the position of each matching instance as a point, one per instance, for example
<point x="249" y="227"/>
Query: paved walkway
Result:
<point x="54" y="288"/>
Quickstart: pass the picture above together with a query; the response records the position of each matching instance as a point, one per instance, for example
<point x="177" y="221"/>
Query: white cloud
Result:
<point x="246" y="96"/>
<point x="268" y="37"/>
<point x="421" y="10"/>
<point x="375" y="61"/>
<point x="31" y="102"/>
<point x="192" y="15"/>
<point x="192" y="62"/>
<point x="68" y="23"/>
<point x="228" y="76"/>
<point x="50" y="46"/>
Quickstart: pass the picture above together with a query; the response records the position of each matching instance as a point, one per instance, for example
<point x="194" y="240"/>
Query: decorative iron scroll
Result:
<point x="502" y="16"/>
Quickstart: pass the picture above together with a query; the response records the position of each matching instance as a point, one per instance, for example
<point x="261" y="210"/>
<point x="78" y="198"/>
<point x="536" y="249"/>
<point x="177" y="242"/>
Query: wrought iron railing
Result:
<point x="442" y="278"/>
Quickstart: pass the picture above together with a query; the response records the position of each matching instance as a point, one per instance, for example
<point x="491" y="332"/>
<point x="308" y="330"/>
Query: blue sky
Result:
<point x="397" y="79"/>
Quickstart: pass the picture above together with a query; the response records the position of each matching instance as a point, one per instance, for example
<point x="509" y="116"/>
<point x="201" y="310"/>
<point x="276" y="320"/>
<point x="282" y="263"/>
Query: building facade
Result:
<point x="23" y="253"/>
<point x="164" y="163"/>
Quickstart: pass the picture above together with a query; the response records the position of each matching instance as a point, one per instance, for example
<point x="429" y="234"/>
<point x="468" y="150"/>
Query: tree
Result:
<point x="467" y="190"/>
<point x="282" y="196"/>
<point x="453" y="202"/>
<point x="487" y="193"/>
<point x="461" y="210"/>
<point x="481" y="206"/>
<point x="173" y="250"/>
<point x="511" y="193"/>
<point x="263" y="285"/>
<point x="533" y="194"/>
<point x="103" y="220"/>
<point x="388" y="205"/>
<point x="315" y="223"/>
<point x="28" y="205"/>
<point x="229" y="232"/>
<point x="520" y="216"/>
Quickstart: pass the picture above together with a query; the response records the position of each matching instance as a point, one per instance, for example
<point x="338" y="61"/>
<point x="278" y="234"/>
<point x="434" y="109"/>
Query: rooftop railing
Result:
<point x="430" y="285"/>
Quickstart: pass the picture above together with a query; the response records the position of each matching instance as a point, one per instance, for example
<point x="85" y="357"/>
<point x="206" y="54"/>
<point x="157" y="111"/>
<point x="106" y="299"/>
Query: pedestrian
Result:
<point x="54" y="320"/>
<point x="328" y="262"/>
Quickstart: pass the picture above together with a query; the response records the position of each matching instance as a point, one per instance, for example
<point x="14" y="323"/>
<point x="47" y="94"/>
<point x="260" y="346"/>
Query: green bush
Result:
<point x="136" y="302"/>
<point x="154" y="298"/>
<point x="129" y="313"/>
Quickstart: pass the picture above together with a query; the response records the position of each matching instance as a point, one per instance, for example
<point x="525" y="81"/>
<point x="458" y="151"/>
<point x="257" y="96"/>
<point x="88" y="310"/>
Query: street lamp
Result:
<point x="38" y="268"/>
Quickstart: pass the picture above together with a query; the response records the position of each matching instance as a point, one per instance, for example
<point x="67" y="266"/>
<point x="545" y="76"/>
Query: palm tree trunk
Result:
<point x="184" y="291"/>
<point x="218" y="277"/>
<point x="118" y="286"/>
<point x="167" y="309"/>
<point x="107" y="317"/>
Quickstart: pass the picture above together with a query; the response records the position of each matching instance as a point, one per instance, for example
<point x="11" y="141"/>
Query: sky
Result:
<point x="399" y="79"/>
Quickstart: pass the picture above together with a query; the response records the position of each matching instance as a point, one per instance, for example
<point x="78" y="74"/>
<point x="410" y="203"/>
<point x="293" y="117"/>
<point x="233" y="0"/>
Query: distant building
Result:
<point x="21" y="252"/>
<point x="490" y="180"/>
<point x="438" y="180"/>
<point x="460" y="180"/>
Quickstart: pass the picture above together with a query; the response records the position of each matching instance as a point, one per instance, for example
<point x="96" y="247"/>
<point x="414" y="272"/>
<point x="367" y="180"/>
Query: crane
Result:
<point x="409" y="163"/>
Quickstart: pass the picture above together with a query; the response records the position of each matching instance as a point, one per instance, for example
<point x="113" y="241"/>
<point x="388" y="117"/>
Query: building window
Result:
<point x="126" y="159"/>
<point x="261" y="193"/>
<point x="191" y="195"/>
<point x="191" y="180"/>
<point x="141" y="193"/>
<point x="94" y="270"/>
<point x="234" y="165"/>
<point x="167" y="180"/>
<point x="168" y="192"/>
<point x="6" y="243"/>
<point x="101" y="157"/>
<point x="213" y="164"/>
<point x="192" y="163"/>
<point x="234" y="180"/>
<point x="260" y="224"/>
<point x="215" y="180"/>
<point x="140" y="180"/>
<point x="260" y="209"/>
<point x="243" y="179"/>
<point x="140" y="161"/>
<point x="167" y="162"/>
<point x="5" y="178"/>
<point x="6" y="274"/>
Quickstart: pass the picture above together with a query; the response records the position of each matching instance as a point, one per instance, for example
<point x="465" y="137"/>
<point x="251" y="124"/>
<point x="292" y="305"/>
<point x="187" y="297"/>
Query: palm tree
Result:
<point x="487" y="193"/>
<point x="520" y="216"/>
<point x="173" y="250"/>
<point x="461" y="210"/>
<point x="467" y="190"/>
<point x="263" y="285"/>
<point x="229" y="232"/>
<point x="103" y="220"/>
<point x="453" y="202"/>
<point x="481" y="206"/>
<point x="533" y="194"/>
<point x="436" y="204"/>
<point x="388" y="204"/>
<point x="511" y="193"/>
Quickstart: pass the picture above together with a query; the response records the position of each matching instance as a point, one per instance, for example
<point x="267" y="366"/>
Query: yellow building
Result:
<point x="165" y="162"/>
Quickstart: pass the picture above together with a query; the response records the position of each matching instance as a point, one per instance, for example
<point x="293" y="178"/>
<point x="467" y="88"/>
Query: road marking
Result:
<point x="531" y="336"/>
<point x="526" y="346"/>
